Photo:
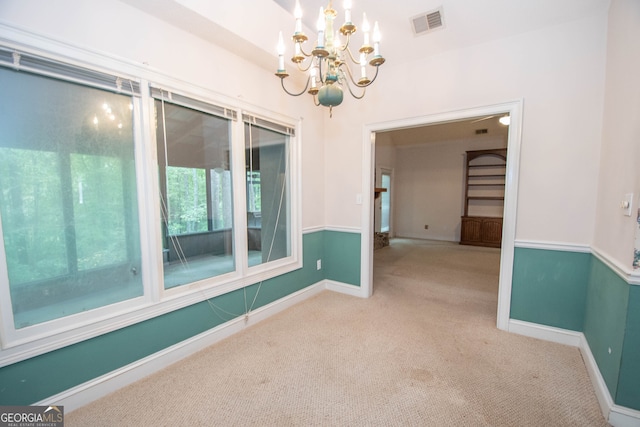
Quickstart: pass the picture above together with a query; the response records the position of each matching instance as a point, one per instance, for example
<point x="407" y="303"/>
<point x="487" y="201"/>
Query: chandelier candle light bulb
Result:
<point x="365" y="29"/>
<point x="280" y="53"/>
<point x="347" y="11"/>
<point x="321" y="27"/>
<point x="298" y="15"/>
<point x="376" y="39"/>
<point x="337" y="45"/>
<point x="328" y="66"/>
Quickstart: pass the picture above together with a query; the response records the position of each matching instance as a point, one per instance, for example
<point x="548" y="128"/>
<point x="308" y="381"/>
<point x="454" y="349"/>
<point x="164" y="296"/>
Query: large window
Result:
<point x="195" y="192"/>
<point x="268" y="194"/>
<point x="67" y="197"/>
<point x="119" y="201"/>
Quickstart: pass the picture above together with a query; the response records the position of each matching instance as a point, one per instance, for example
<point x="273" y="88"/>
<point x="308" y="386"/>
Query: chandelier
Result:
<point x="329" y="63"/>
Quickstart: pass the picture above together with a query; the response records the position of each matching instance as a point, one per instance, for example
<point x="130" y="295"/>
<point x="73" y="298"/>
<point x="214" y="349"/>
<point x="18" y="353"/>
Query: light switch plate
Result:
<point x="627" y="204"/>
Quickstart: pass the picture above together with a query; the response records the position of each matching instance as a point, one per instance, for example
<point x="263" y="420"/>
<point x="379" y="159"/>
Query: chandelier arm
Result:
<point x="308" y="55"/>
<point x="304" y="70"/>
<point x="344" y="66"/>
<point x="370" y="82"/>
<point x="294" y="94"/>
<point x="346" y="44"/>
<point x="373" y="79"/>
<point x="355" y="61"/>
<point x="348" y="84"/>
<point x="364" y="89"/>
<point x="353" y="80"/>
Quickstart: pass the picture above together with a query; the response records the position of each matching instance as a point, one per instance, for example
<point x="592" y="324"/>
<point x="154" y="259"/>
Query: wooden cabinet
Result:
<point x="481" y="224"/>
<point x="481" y="231"/>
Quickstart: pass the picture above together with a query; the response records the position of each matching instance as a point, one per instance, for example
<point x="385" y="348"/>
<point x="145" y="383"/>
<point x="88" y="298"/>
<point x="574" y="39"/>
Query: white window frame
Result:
<point x="17" y="345"/>
<point x="11" y="337"/>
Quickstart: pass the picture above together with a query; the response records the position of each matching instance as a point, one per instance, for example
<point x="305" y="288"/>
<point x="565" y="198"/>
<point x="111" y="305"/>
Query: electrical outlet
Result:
<point x="426" y="227"/>
<point x="319" y="264"/>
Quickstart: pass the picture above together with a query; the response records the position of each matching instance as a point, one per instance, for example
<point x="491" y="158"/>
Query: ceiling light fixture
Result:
<point x="327" y="66"/>
<point x="505" y="120"/>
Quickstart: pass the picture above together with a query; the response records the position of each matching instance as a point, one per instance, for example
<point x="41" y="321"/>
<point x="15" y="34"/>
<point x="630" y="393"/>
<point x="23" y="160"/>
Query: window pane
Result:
<point x="268" y="209"/>
<point x="222" y="214"/>
<point x="34" y="235"/>
<point x="195" y="192"/>
<point x="101" y="228"/>
<point x="385" y="202"/>
<point x="67" y="197"/>
<point x="187" y="200"/>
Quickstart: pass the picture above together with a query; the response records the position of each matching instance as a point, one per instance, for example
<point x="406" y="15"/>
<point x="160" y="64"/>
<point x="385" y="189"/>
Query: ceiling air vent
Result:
<point x="481" y="131"/>
<point x="426" y="22"/>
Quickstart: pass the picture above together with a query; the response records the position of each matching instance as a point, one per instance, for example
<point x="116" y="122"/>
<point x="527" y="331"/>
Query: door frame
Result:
<point x="514" y="109"/>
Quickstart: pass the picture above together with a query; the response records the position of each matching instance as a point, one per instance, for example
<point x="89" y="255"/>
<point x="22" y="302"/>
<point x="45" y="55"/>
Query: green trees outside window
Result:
<point x="67" y="197"/>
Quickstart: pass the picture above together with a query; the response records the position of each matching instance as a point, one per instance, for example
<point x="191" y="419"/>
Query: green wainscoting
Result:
<point x="579" y="292"/>
<point x="35" y="379"/>
<point x="570" y="290"/>
<point x="605" y="320"/>
<point x="342" y="257"/>
<point x="549" y="287"/>
<point x="629" y="384"/>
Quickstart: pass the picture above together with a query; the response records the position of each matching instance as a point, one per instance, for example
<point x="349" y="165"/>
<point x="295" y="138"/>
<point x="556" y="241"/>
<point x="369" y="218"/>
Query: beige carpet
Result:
<point x="423" y="351"/>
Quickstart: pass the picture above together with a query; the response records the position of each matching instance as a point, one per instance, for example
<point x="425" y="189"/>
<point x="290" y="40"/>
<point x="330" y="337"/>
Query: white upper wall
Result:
<point x="558" y="71"/>
<point x="619" y="161"/>
<point x="559" y="74"/>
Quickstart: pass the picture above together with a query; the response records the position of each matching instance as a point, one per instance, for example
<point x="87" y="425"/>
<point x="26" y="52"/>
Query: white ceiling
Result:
<point x="441" y="132"/>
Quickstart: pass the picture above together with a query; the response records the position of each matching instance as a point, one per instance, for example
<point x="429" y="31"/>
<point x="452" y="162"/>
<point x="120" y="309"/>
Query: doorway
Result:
<point x="514" y="110"/>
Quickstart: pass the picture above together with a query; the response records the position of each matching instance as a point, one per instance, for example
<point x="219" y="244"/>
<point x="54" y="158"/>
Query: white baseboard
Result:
<point x="546" y="333"/>
<point x="624" y="417"/>
<point x="599" y="386"/>
<point x="343" y="288"/>
<point x="617" y="416"/>
<point x="90" y="391"/>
